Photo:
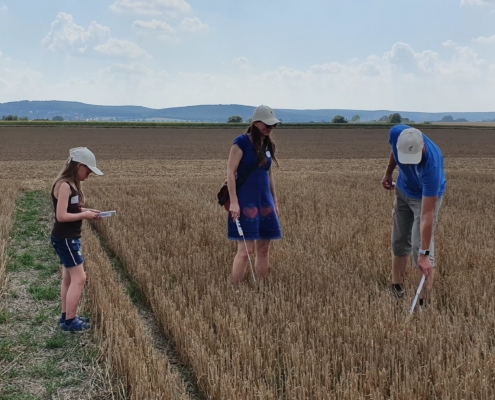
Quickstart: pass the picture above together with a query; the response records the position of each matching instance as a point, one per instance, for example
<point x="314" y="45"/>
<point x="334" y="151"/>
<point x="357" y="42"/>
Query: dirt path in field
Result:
<point x="37" y="359"/>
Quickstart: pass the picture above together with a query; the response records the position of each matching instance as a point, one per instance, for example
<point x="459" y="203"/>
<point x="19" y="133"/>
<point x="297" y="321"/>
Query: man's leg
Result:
<point x="399" y="264"/>
<point x="403" y="218"/>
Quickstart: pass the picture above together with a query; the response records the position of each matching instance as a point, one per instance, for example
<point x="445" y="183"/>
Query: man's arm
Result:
<point x="387" y="178"/>
<point x="426" y="227"/>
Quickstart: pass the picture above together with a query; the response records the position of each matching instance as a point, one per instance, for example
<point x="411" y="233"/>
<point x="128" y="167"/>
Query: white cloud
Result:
<point x="121" y="48"/>
<point x="399" y="79"/>
<point x="154" y="28"/>
<point x="241" y="62"/>
<point x="83" y="82"/>
<point x="331" y="68"/>
<point x="402" y="78"/>
<point x="18" y="82"/>
<point x="370" y="68"/>
<point x="3" y="7"/>
<point x="67" y="37"/>
<point x="153" y="25"/>
<point x="483" y="39"/>
<point x="127" y="69"/>
<point x="193" y="24"/>
<point x="150" y="7"/>
<point x="449" y="43"/>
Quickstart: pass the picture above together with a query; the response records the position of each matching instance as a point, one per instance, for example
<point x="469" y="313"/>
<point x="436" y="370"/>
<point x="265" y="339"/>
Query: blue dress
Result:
<point x="258" y="217"/>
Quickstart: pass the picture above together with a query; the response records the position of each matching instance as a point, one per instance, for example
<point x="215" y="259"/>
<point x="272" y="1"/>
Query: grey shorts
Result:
<point x="406" y="237"/>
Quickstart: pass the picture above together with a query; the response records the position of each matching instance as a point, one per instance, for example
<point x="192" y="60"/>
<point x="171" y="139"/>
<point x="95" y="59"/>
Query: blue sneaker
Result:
<point x="83" y="319"/>
<point x="76" y="326"/>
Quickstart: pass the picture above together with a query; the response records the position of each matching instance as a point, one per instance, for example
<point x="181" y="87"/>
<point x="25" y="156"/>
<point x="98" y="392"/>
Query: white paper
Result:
<point x="107" y="214"/>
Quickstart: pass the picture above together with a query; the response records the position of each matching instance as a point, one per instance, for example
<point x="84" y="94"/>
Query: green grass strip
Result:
<point x="37" y="359"/>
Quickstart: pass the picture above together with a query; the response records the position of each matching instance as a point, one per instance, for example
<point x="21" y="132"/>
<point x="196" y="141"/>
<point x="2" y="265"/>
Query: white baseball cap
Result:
<point x="266" y="115"/>
<point x="410" y="146"/>
<point x="86" y="157"/>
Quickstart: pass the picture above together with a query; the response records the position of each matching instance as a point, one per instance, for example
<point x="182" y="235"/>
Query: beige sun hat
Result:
<point x="84" y="156"/>
<point x="266" y="115"/>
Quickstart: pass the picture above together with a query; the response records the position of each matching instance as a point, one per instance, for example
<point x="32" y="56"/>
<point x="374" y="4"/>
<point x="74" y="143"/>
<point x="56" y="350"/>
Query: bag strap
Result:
<point x="240" y="180"/>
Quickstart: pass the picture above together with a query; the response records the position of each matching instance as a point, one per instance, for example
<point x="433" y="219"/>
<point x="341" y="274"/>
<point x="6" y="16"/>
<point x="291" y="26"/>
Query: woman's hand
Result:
<point x="234" y="210"/>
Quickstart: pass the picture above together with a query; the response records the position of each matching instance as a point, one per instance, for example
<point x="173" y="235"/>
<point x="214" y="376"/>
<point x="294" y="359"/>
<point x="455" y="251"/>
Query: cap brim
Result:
<point x="270" y="121"/>
<point x="95" y="170"/>
<point x="409" y="158"/>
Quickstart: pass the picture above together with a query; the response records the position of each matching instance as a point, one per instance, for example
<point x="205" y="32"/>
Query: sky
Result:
<point x="407" y="55"/>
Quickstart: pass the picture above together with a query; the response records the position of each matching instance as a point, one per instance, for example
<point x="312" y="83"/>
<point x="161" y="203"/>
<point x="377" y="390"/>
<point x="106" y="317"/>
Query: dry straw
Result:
<point x="324" y="325"/>
<point x="9" y="192"/>
<point x="125" y="345"/>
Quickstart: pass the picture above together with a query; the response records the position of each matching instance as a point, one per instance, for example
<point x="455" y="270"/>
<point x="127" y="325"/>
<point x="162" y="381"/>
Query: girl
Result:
<point x="67" y="197"/>
<point x="255" y="201"/>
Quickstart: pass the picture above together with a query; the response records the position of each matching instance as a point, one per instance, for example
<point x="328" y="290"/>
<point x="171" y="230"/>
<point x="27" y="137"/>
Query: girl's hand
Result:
<point x="92" y="209"/>
<point x="90" y="215"/>
<point x="234" y="210"/>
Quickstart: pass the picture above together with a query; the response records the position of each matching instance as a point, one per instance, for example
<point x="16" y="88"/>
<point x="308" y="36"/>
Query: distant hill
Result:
<point x="75" y="111"/>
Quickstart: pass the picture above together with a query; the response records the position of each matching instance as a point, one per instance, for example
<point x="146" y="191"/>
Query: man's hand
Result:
<point x="387" y="182"/>
<point x="424" y="265"/>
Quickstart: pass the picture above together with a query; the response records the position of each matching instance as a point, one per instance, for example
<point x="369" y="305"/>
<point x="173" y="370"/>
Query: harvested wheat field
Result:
<point x="324" y="325"/>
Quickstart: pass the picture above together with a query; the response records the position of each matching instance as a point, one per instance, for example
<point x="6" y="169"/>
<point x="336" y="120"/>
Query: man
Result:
<point x="418" y="197"/>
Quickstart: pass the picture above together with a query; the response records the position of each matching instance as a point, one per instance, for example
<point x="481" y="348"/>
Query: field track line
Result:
<point x="159" y="342"/>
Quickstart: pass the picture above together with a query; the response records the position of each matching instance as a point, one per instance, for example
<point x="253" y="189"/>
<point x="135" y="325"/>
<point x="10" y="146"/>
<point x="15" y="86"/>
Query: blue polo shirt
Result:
<point x="424" y="179"/>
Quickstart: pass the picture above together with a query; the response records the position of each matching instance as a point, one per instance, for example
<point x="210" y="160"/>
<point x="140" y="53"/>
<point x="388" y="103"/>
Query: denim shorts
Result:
<point x="68" y="250"/>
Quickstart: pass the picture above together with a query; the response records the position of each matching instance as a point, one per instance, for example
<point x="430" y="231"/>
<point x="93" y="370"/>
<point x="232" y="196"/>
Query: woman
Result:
<point x="255" y="201"/>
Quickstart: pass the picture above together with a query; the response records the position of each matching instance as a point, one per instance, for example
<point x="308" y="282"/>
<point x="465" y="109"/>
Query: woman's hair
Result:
<point x="69" y="173"/>
<point x="262" y="143"/>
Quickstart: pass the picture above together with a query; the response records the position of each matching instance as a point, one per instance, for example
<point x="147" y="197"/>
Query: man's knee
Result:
<point x="400" y="249"/>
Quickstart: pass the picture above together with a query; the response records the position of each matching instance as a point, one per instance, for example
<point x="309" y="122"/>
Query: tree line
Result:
<point x="394" y="118"/>
<point x="16" y="118"/>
